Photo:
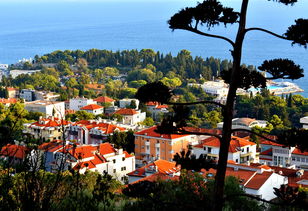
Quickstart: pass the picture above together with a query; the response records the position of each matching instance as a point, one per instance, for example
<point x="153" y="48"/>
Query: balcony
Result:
<point x="246" y="154"/>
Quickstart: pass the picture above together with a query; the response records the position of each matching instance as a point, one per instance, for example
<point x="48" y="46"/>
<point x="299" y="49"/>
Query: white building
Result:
<point x="27" y="94"/>
<point x="93" y="109"/>
<point x="15" y="73"/>
<point x="280" y="155"/>
<point x="49" y="108"/>
<point x="244" y="123"/>
<point x="124" y="103"/>
<point x="79" y="102"/>
<point x="304" y="121"/>
<point x="131" y="116"/>
<point x="240" y="150"/>
<point x="91" y="131"/>
<point x="157" y="110"/>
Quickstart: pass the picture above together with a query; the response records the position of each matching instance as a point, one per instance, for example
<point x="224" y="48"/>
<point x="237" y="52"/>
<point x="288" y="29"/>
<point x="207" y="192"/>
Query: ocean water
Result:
<point x="39" y="27"/>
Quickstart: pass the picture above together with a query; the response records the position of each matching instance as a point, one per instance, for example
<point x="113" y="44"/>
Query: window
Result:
<point x="293" y="158"/>
<point x="123" y="158"/>
<point x="275" y="160"/>
<point x="209" y="149"/>
<point x="247" y="149"/>
<point x="114" y="160"/>
<point x="148" y="147"/>
<point x="114" y="170"/>
<point x="236" y="160"/>
<point x="157" y="149"/>
<point x="303" y="159"/>
<point x="136" y="145"/>
<point x="242" y="149"/>
<point x="204" y="148"/>
<point x="298" y="159"/>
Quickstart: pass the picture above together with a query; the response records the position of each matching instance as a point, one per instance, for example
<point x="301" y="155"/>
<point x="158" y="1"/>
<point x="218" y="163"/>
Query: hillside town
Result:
<point x="84" y="145"/>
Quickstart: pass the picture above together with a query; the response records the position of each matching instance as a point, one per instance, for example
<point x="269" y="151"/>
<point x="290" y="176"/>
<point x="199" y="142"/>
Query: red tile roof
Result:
<point x="82" y="152"/>
<point x="258" y="180"/>
<point x="235" y="144"/>
<point x="266" y="142"/>
<point x="299" y="152"/>
<point x="104" y="99"/>
<point x="50" y="122"/>
<point x="127" y="155"/>
<point x="91" y="107"/>
<point x="8" y="101"/>
<point x="12" y="150"/>
<point x="106" y="148"/>
<point x="11" y="89"/>
<point x="152" y="133"/>
<point x="126" y="111"/>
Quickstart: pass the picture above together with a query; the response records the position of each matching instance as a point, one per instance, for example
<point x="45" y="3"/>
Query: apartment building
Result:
<point x="151" y="146"/>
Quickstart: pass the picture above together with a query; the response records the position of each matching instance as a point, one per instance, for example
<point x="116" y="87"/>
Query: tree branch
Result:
<point x="266" y="31"/>
<point x="198" y="102"/>
<point x="253" y="197"/>
<point x="187" y="132"/>
<point x="195" y="30"/>
<point x="255" y="133"/>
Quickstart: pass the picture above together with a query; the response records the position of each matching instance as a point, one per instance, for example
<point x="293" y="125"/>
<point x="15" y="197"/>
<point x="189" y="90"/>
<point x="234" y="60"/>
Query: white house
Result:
<point x="79" y="102"/>
<point x="304" y="121"/>
<point x="93" y="109"/>
<point x="240" y="150"/>
<point x="244" y="123"/>
<point x="156" y="109"/>
<point x="102" y="158"/>
<point x="49" y="108"/>
<point x="131" y="116"/>
<point x="124" y="103"/>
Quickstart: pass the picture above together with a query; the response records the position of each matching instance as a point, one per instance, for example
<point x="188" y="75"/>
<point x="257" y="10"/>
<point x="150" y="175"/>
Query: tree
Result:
<point x="148" y="122"/>
<point x="211" y="13"/>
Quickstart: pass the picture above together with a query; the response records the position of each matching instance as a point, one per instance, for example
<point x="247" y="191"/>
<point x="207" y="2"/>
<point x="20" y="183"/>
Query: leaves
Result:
<point x="286" y="2"/>
<point x="298" y="33"/>
<point x="156" y="92"/>
<point x="282" y="68"/>
<point x="246" y="78"/>
<point x="294" y="137"/>
<point x="209" y="13"/>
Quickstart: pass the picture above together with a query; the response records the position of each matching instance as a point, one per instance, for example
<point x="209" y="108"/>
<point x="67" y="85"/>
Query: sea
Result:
<point x="36" y="27"/>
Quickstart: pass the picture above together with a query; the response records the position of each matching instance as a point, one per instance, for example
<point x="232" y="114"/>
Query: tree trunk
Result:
<point x="228" y="111"/>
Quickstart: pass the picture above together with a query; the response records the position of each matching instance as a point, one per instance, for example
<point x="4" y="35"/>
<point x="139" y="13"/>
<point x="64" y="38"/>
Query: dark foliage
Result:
<point x="189" y="161"/>
<point x="286" y="2"/>
<point x="290" y="195"/>
<point x="141" y="189"/>
<point x="298" y="33"/>
<point x="246" y="79"/>
<point x="294" y="137"/>
<point x="156" y="92"/>
<point x="282" y="68"/>
<point x="208" y="13"/>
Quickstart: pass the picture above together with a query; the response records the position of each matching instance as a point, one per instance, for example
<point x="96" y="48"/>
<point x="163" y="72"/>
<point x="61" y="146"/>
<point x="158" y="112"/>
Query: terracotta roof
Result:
<point x="82" y="152"/>
<point x="293" y="178"/>
<point x="299" y="152"/>
<point x="162" y="106"/>
<point x="8" y="101"/>
<point x="127" y="155"/>
<point x="106" y="148"/>
<point x="126" y="111"/>
<point x="266" y="142"/>
<point x="50" y="122"/>
<point x="12" y="150"/>
<point x="235" y="144"/>
<point x="157" y="176"/>
<point x="91" y="107"/>
<point x="51" y="146"/>
<point x="268" y="152"/>
<point x="11" y="89"/>
<point x="104" y="99"/>
<point x="152" y="133"/>
<point x="163" y="167"/>
<point x="258" y="180"/>
<point x="151" y="103"/>
<point x="246" y="121"/>
<point x="104" y="127"/>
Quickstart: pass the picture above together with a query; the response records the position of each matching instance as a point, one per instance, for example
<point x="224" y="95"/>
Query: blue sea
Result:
<point x="35" y="27"/>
